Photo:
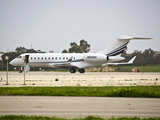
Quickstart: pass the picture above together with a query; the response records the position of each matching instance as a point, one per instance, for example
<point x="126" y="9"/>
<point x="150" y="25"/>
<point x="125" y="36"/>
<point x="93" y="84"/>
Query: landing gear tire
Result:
<point x="72" y="70"/>
<point x="81" y="70"/>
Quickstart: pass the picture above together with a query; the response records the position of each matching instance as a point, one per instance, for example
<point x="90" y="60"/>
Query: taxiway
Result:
<point x="75" y="107"/>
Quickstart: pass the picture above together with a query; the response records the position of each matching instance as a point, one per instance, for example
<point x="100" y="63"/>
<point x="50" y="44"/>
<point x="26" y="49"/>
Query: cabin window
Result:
<point x="56" y="58"/>
<point x="63" y="58"/>
<point x="19" y="56"/>
<point x="52" y="58"/>
<point x="74" y="58"/>
<point x="38" y="58"/>
<point x="60" y="58"/>
<point x="31" y="58"/>
<point x="41" y="58"/>
<point x="34" y="57"/>
<point x="67" y="58"/>
<point x="49" y="58"/>
<point x="45" y="58"/>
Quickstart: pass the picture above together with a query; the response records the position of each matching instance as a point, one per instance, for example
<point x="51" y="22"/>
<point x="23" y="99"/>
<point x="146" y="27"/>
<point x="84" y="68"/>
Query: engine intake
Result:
<point x="107" y="58"/>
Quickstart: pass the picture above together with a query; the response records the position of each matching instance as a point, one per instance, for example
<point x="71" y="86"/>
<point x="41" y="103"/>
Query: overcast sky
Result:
<point x="51" y="25"/>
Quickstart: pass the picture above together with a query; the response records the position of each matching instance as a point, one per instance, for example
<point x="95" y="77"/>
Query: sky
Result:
<point x="51" y="25"/>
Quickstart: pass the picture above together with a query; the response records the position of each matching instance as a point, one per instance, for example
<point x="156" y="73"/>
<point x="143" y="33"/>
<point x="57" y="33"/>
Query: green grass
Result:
<point x="22" y="117"/>
<point x="147" y="68"/>
<point x="108" y="91"/>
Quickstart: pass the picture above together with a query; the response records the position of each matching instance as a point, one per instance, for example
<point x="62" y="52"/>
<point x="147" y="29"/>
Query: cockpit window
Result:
<point x="19" y="56"/>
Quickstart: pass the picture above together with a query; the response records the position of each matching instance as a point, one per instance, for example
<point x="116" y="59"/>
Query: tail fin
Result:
<point x="119" y="45"/>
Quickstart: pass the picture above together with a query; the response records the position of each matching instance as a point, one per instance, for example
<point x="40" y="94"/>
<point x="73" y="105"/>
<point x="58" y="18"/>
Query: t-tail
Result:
<point x="119" y="45"/>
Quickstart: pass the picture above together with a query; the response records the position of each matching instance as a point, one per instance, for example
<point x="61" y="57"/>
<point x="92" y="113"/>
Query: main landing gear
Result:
<point x="72" y="70"/>
<point x="81" y="70"/>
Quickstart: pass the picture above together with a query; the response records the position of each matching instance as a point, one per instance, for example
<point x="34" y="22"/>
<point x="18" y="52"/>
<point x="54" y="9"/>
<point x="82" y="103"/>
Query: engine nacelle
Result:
<point x="93" y="57"/>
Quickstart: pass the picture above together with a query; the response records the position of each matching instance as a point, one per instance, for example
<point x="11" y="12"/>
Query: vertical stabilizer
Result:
<point x="119" y="45"/>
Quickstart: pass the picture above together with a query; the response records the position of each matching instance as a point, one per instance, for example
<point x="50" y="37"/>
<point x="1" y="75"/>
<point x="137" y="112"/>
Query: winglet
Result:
<point x="124" y="63"/>
<point x="131" y="61"/>
<point x="70" y="59"/>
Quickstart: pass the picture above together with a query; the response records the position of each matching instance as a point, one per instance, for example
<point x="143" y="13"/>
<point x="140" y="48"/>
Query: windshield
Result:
<point x="19" y="56"/>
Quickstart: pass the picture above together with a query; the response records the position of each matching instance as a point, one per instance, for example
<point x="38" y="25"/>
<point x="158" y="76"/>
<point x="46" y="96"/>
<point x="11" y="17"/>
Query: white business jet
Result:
<point x="77" y="60"/>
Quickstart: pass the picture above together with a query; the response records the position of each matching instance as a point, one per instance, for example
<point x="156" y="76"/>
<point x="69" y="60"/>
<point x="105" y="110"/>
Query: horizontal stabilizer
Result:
<point x="123" y="37"/>
<point x="141" y="38"/>
<point x="120" y="44"/>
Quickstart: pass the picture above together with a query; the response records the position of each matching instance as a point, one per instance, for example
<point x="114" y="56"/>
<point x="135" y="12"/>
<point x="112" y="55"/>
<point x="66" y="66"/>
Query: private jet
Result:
<point x="73" y="61"/>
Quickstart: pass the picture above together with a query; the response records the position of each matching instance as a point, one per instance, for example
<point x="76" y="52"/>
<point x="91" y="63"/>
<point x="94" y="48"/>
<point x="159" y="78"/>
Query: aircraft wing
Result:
<point x="62" y="65"/>
<point x="59" y="65"/>
<point x="123" y="63"/>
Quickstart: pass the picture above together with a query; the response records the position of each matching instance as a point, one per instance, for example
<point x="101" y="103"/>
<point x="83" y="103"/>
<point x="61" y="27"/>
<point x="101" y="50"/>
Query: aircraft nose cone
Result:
<point x="12" y="63"/>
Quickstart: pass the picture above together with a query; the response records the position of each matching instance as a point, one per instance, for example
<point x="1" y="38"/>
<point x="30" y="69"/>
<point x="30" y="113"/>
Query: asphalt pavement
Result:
<point x="75" y="107"/>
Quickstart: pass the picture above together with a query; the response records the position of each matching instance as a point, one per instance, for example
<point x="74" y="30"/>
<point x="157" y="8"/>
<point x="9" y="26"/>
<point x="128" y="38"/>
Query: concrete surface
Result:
<point x="77" y="79"/>
<point x="75" y="107"/>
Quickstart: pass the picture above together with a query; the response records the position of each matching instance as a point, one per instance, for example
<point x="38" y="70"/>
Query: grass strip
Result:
<point x="108" y="91"/>
<point x="146" y="68"/>
<point x="22" y="117"/>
